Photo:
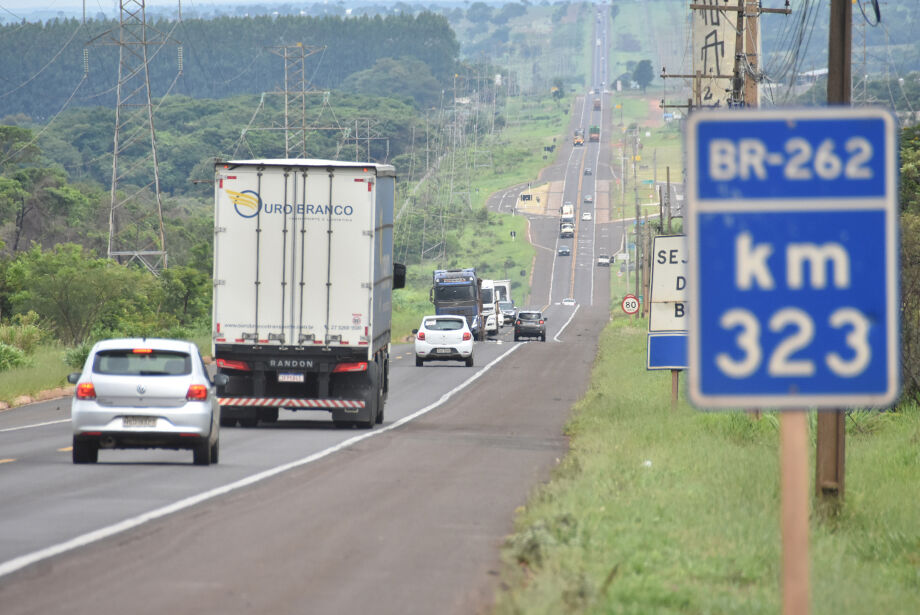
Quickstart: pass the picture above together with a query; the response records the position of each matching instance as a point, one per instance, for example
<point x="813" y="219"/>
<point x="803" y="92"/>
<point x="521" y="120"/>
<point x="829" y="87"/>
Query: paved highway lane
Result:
<point x="405" y="521"/>
<point x="47" y="500"/>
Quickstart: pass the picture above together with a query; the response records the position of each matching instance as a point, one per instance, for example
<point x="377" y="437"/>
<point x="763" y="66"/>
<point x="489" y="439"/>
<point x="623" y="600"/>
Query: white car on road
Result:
<point x="443" y="338"/>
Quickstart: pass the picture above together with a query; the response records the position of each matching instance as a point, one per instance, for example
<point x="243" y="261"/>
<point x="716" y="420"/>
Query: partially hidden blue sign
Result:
<point x="792" y="229"/>
<point x="667" y="351"/>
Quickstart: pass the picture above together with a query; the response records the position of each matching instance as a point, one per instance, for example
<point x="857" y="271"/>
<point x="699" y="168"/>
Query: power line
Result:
<point x="47" y="64"/>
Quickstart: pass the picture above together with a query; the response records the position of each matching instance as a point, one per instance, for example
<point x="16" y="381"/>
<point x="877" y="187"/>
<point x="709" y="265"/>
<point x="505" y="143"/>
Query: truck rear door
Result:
<point x="293" y="249"/>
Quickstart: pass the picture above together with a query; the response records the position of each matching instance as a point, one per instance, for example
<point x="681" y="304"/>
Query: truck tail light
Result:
<point x="86" y="390"/>
<point x="420" y="335"/>
<point x="350" y="367"/>
<point x="238" y="365"/>
<point x="197" y="392"/>
<point x="467" y="336"/>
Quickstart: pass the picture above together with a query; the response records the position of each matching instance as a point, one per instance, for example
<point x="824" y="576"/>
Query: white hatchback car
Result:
<point x="443" y="338"/>
<point x="145" y="393"/>
<point x="586" y="215"/>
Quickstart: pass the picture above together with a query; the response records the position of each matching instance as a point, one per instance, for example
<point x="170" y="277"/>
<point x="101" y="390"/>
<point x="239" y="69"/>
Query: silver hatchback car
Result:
<point x="145" y="393"/>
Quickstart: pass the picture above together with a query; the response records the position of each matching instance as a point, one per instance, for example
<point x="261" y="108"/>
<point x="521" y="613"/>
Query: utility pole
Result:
<point x="830" y="454"/>
<point x="638" y="243"/>
<point x="711" y="64"/>
<point x="133" y="119"/>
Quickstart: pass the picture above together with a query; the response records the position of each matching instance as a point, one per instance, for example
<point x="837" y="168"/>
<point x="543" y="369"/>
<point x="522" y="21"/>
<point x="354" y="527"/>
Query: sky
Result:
<point x="15" y="9"/>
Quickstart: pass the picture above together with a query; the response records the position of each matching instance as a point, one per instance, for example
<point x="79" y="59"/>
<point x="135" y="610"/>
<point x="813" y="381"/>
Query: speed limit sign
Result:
<point x="630" y="304"/>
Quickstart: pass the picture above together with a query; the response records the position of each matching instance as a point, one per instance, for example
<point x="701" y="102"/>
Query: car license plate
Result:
<point x="290" y="377"/>
<point x="443" y="350"/>
<point x="139" y="421"/>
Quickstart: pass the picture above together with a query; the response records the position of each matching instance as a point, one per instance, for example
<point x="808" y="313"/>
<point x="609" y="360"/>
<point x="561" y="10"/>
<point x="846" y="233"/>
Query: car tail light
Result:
<point x="197" y="392"/>
<point x="467" y="336"/>
<point x="517" y="322"/>
<point x="238" y="365"/>
<point x="86" y="390"/>
<point x="350" y="367"/>
<point x="420" y="335"/>
<point x="541" y="321"/>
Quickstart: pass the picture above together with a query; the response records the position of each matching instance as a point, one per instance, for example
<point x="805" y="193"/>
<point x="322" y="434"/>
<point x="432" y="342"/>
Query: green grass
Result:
<point x="46" y="370"/>
<point x="657" y="510"/>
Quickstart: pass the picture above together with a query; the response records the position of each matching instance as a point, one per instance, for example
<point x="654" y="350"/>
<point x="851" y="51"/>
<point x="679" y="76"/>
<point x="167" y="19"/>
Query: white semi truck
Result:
<point x="303" y="280"/>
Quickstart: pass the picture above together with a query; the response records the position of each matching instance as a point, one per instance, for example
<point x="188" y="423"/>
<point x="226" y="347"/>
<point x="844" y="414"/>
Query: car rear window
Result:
<point x="529" y="316"/>
<point x="142" y="362"/>
<point x="443" y="324"/>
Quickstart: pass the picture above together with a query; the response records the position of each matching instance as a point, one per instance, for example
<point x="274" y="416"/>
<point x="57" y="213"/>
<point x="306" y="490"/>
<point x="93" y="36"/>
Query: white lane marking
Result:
<point x="552" y="273"/>
<point x="34" y="425"/>
<point x="558" y="333"/>
<point x="105" y="532"/>
<point x="597" y="162"/>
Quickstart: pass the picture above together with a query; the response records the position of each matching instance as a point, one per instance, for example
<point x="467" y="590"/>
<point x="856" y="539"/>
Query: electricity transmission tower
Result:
<point x="295" y="97"/>
<point x="132" y="236"/>
<point x="295" y="90"/>
<point x="371" y="133"/>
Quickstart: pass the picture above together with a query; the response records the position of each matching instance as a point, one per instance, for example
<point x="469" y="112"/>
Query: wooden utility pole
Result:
<point x="830" y="455"/>
<point x="752" y="52"/>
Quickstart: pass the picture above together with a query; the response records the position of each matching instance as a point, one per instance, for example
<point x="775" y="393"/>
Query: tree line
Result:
<point x="220" y="57"/>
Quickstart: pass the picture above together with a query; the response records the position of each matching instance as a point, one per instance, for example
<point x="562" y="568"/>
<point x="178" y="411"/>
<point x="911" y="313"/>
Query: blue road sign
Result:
<point x="792" y="228"/>
<point x="667" y="351"/>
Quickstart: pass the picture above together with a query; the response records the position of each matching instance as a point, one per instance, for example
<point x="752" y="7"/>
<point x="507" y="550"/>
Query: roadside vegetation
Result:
<point x="657" y="510"/>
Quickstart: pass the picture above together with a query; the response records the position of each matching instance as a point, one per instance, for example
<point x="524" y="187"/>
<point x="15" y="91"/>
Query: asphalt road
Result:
<point x="299" y="517"/>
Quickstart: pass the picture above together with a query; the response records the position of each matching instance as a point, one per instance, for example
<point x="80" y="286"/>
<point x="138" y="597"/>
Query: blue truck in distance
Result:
<point x="457" y="291"/>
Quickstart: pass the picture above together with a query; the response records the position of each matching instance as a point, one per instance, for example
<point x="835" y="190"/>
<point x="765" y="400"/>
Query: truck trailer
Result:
<point x="303" y="281"/>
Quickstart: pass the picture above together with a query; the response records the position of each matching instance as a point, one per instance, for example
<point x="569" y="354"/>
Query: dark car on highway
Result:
<point x="564" y="251"/>
<point x="530" y="323"/>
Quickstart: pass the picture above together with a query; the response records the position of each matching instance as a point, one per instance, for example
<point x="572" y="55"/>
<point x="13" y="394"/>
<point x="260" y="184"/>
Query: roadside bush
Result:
<point x="11" y="357"/>
<point x="75" y="357"/>
<point x="910" y="304"/>
<point x="24" y="337"/>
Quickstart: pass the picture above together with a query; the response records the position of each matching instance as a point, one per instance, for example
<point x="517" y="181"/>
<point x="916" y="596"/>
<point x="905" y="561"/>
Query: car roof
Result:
<point x="144" y="342"/>
<point x="445" y="317"/>
<point x="529" y="312"/>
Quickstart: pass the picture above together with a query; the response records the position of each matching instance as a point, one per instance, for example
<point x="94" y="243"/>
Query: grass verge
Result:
<point x="677" y="511"/>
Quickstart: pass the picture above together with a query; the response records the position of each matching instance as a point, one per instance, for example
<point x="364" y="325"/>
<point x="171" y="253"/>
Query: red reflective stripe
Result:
<point x="290" y="403"/>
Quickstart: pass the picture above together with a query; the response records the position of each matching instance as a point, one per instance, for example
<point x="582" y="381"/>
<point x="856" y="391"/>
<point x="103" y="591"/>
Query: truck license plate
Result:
<point x="139" y="421"/>
<point x="290" y="377"/>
